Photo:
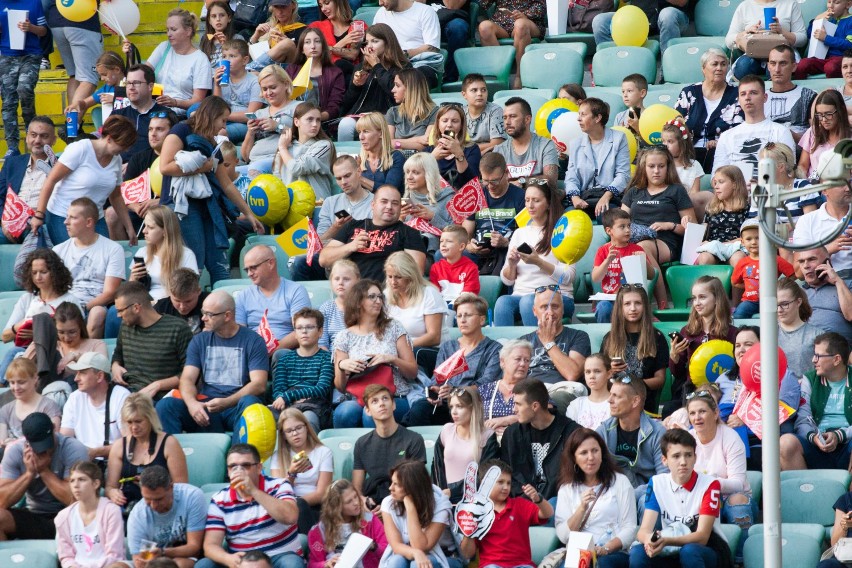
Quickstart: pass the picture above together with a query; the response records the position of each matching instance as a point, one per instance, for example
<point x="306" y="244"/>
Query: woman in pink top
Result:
<point x="721" y="453"/>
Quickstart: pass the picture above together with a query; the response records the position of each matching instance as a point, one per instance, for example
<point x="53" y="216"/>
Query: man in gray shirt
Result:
<point x="829" y="293"/>
<point x="527" y="154"/>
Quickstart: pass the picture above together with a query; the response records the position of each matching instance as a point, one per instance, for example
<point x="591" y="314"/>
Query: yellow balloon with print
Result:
<point x="77" y="10"/>
<point x="652" y="121"/>
<point x="549" y="112"/>
<point x="632" y="143"/>
<point x="268" y="199"/>
<point x="630" y="26"/>
<point x="302" y="202"/>
<point x="156" y="177"/>
<point x="257" y="427"/>
<point x="711" y="360"/>
<point x="572" y="236"/>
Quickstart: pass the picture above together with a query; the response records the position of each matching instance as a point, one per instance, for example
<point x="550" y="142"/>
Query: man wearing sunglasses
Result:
<point x="140" y="106"/>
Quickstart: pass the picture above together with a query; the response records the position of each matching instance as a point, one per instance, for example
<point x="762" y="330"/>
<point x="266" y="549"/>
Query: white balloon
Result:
<point x="564" y="130"/>
<point x="121" y="17"/>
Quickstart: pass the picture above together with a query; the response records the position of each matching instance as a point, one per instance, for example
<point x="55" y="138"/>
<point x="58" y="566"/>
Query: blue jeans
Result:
<point x="57" y="232"/>
<point x="603" y="311"/>
<point x="7" y="358"/>
<point x="112" y="323"/>
<point x="691" y="555"/>
<point x="176" y="419"/>
<point x="741" y="515"/>
<point x="283" y="560"/>
<point x="745" y="65"/>
<point x="456" y="33"/>
<point x="671" y="23"/>
<point x="346" y="129"/>
<point x="197" y="230"/>
<point x="508" y="307"/>
<point x="301" y="272"/>
<point x="398" y="561"/>
<point x="236" y="131"/>
<point x="350" y="414"/>
<point x="746" y="309"/>
<point x="613" y="560"/>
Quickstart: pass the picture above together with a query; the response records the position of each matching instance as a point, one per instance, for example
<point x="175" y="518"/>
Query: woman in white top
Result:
<point x="538" y="268"/>
<point x="307" y="464"/>
<point x="749" y="19"/>
<point x="414" y="302"/>
<point x="163" y="253"/>
<point x="594" y="498"/>
<point x="87" y="168"/>
<point x="415" y="514"/>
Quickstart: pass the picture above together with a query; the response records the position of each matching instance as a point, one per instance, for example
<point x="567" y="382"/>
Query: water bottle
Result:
<point x="606" y="537"/>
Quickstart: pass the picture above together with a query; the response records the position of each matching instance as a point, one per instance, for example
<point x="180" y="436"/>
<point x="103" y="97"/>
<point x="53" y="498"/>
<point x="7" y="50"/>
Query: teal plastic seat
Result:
<point x="366" y="13"/>
<point x="232" y="282"/>
<point x="210" y="489"/>
<point x="343" y="451"/>
<point x="543" y="541"/>
<point x="680" y="279"/>
<point x="428" y="432"/>
<point x="551" y="68"/>
<point x="110" y="345"/>
<point x="583" y="267"/>
<point x="490" y="287"/>
<point x="28" y="557"/>
<point x="269" y="240"/>
<point x="732" y="533"/>
<point x="664" y="94"/>
<point x="797" y="551"/>
<point x="586" y="38"/>
<point x="810" y="9"/>
<point x="596" y="332"/>
<point x="44" y="545"/>
<point x="319" y="291"/>
<point x="546" y="94"/>
<point x="810" y="500"/>
<point x="354" y="433"/>
<point x="577" y="46"/>
<point x="810" y="530"/>
<point x="492" y="62"/>
<point x="233" y="289"/>
<point x="8" y="253"/>
<point x="718" y="42"/>
<point x="755" y="481"/>
<point x="610" y="66"/>
<point x="682" y="62"/>
<point x="130" y="251"/>
<point x="534" y="100"/>
<point x="713" y="17"/>
<point x="13" y="294"/>
<point x="441" y="98"/>
<point x="205" y="456"/>
<point x="839" y="475"/>
<point x="652" y="45"/>
<point x="610" y="97"/>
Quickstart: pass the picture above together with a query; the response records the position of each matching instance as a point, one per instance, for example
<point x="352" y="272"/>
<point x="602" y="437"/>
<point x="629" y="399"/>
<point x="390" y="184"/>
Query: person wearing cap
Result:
<point x="747" y="270"/>
<point x="282" y="31"/>
<point x="92" y="413"/>
<point x="36" y="467"/>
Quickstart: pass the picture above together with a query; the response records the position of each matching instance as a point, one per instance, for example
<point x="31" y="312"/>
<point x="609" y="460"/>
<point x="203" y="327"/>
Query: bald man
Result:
<point x="233" y="366"/>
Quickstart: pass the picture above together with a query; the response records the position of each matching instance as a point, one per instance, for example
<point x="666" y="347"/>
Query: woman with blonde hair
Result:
<point x="144" y="444"/>
<point x="307" y="464"/>
<point x="724" y="215"/>
<point x="458" y="156"/>
<point x="380" y="163"/>
<point x="282" y="31"/>
<point x="343" y="515"/>
<point x="464" y="440"/>
<point x="414" y="302"/>
<point x="163" y="253"/>
<point x="424" y="197"/>
<point x="261" y="142"/>
<point x="411" y="122"/>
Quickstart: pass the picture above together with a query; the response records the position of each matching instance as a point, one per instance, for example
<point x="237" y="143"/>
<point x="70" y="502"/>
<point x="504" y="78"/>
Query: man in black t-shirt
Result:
<point x="370" y="242"/>
<point x="185" y="300"/>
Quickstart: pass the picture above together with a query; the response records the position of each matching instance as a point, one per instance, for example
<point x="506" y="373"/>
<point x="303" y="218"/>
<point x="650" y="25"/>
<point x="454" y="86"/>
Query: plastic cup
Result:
<point x="768" y="16"/>
<point x="226" y="76"/>
<point x="72" y="123"/>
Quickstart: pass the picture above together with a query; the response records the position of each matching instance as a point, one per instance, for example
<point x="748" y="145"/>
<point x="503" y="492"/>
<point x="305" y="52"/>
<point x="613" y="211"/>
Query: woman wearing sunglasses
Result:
<point x="531" y="267"/>
<point x="634" y="345"/>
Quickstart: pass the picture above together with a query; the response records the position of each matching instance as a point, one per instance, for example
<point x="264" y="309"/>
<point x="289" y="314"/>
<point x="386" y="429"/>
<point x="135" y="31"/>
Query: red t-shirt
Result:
<point x="508" y="543"/>
<point x="747" y="273"/>
<point x="453" y="279"/>
<point x="612" y="279"/>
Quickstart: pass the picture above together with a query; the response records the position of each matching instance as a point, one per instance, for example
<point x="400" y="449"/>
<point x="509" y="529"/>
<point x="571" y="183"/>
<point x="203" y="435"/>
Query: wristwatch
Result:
<point x="549" y="345"/>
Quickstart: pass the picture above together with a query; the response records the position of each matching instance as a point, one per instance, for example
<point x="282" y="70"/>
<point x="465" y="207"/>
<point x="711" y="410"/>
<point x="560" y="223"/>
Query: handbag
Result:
<point x="842" y="551"/>
<point x="582" y="12"/>
<point x="759" y="45"/>
<point x="377" y="375"/>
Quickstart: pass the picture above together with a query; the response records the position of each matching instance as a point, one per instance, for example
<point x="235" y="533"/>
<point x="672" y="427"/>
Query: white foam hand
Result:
<point x="475" y="513"/>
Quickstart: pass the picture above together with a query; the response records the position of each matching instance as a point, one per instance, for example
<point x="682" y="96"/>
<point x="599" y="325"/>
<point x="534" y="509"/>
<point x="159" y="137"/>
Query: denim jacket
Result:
<point x="649" y="456"/>
<point x="613" y="171"/>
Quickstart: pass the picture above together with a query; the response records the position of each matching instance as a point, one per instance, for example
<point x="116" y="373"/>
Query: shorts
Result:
<point x="80" y="50"/>
<point x="30" y="525"/>
<point x="817" y="459"/>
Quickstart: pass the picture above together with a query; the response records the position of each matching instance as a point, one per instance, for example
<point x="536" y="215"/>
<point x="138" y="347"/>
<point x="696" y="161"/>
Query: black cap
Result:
<point x="38" y="431"/>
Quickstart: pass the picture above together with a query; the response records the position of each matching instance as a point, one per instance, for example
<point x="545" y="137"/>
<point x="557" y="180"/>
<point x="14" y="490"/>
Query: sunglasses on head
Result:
<point x="551" y="287"/>
<point x="541" y="182"/>
<point x="703" y="394"/>
<point x="622" y="377"/>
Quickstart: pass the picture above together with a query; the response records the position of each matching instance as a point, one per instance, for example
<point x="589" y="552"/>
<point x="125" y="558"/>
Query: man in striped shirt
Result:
<point x="256" y="512"/>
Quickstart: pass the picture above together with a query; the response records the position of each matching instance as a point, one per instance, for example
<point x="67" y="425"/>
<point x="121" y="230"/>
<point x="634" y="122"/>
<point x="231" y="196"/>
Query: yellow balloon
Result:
<point x="632" y="143"/>
<point x="77" y="10"/>
<point x="156" y="177"/>
<point x="652" y="121"/>
<point x="268" y="199"/>
<point x="548" y="112"/>
<point x="572" y="236"/>
<point x="632" y="169"/>
<point x="302" y="202"/>
<point x="630" y="26"/>
<point x="257" y="427"/>
<point x="710" y="360"/>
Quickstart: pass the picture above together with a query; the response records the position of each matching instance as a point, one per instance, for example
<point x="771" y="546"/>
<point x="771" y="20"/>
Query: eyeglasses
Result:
<point x="253" y="267"/>
<point x="490" y="182"/>
<point x="784" y="305"/>
<point x="209" y="315"/>
<point x="120" y="311"/>
<point x="374" y="297"/>
<point x="551" y="287"/>
<point x="818" y="356"/>
<point x="621" y="377"/>
<point x="825" y="115"/>
<point x="244" y="465"/>
<point x="136" y="84"/>
<point x="305" y="328"/>
<point x="295" y="429"/>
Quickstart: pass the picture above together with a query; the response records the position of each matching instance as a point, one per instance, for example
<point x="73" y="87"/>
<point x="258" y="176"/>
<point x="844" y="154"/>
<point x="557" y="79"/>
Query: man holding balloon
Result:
<point x="631" y="24"/>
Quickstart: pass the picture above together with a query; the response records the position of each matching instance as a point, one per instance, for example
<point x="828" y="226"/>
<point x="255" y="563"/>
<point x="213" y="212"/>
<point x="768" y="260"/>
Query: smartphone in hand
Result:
<point x="525" y="249"/>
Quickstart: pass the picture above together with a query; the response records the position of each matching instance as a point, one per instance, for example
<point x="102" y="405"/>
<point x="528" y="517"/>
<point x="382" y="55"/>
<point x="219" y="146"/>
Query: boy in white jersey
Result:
<point x="685" y="496"/>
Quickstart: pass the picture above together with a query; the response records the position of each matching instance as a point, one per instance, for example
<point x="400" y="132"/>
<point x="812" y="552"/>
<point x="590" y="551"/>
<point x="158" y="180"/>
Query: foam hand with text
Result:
<point x="475" y="513"/>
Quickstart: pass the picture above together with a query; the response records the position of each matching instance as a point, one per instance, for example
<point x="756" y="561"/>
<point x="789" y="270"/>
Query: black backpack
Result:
<point x="250" y="14"/>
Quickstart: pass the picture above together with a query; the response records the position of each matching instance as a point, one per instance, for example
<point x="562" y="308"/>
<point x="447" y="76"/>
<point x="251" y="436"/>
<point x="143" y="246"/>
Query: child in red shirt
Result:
<point x="747" y="271"/>
<point x="455" y="273"/>
<point x="507" y="544"/>
<point x="607" y="268"/>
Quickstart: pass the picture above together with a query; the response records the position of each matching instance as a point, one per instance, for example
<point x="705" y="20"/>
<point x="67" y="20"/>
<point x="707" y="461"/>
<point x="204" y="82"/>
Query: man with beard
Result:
<point x="527" y="154"/>
<point x="787" y="104"/>
<point x="140" y="106"/>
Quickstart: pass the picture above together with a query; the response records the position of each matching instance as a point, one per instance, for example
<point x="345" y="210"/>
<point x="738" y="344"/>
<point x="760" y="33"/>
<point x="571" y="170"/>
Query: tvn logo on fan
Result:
<point x="300" y="238"/>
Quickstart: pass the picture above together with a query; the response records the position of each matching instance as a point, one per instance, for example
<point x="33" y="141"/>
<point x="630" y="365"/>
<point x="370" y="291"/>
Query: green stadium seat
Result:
<point x="319" y="291"/>
<point x="797" y="551"/>
<point x="351" y="147"/>
<point x="810" y="500"/>
<point x="130" y="251"/>
<point x="680" y="279"/>
<point x="343" y="449"/>
<point x="682" y="62"/>
<point x="810" y="530"/>
<point x="577" y="46"/>
<point x="713" y="17"/>
<point x="546" y="94"/>
<point x="232" y="282"/>
<point x="610" y="97"/>
<point x="718" y="42"/>
<point x="732" y="533"/>
<point x="543" y="541"/>
<point x="839" y="475"/>
<point x="493" y="62"/>
<point x="583" y="267"/>
<point x="44" y="545"/>
<point x="110" y="345"/>
<point x="233" y="289"/>
<point x="428" y="432"/>
<point x="6" y="307"/>
<point x="490" y="288"/>
<point x="810" y="10"/>
<point x="755" y="481"/>
<point x="535" y="101"/>
<point x="280" y="255"/>
<point x="551" y="68"/>
<point x="205" y="456"/>
<point x="574" y="37"/>
<point x="366" y="13"/>
<point x="29" y="557"/>
<point x="13" y="294"/>
<point x="8" y="253"/>
<point x="210" y="489"/>
<point x="663" y="94"/>
<point x="596" y="332"/>
<point x="611" y="65"/>
<point x="354" y="433"/>
<point x="440" y="98"/>
<point x="651" y="45"/>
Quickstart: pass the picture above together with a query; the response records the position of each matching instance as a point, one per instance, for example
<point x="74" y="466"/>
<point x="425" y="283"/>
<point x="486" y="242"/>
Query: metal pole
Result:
<point x="769" y="373"/>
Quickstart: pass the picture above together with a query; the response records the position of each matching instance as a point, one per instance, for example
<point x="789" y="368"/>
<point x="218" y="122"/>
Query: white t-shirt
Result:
<point x="87" y="178"/>
<point x="157" y="291"/>
<point x="743" y="142"/>
<point x="779" y="106"/>
<point x="180" y="74"/>
<point x="87" y="541"/>
<point x="306" y="482"/>
<point x="443" y="507"/>
<point x="29" y="305"/>
<point x="91" y="265"/>
<point x="79" y="415"/>
<point x="689" y="175"/>
<point x="412" y="318"/>
<point x="816" y="225"/>
<point x="587" y="413"/>
<point x="414" y="27"/>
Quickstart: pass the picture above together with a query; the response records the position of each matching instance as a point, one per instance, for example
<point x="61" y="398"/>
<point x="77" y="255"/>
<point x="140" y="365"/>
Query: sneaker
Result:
<point x="45" y="63"/>
<point x="11" y="152"/>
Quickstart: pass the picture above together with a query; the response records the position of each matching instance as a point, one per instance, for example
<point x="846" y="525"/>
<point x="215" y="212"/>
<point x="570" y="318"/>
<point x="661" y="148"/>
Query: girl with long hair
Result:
<point x="725" y="214"/>
<point x="305" y="461"/>
<point x="342" y="514"/>
<point x="306" y="153"/>
<point x="371" y="338"/>
<point x="678" y="139"/>
<point x="458" y="157"/>
<point x="414" y="302"/>
<point x="326" y="76"/>
<point x="830" y="125"/>
<point x="424" y="197"/>
<point x="464" y="440"/>
<point x="411" y="121"/>
<point x="590" y="411"/>
<point x="261" y="142"/>
<point x="338" y="27"/>
<point x="380" y="163"/>
<point x="795" y="334"/>
<point x="709" y="318"/>
<point x="343" y="275"/>
<point x="372" y="83"/>
<point x="163" y="253"/>
<point x="634" y="345"/>
<point x="112" y="71"/>
<point x="281" y="31"/>
<point x="528" y="271"/>
<point x="72" y="340"/>
<point x="415" y="515"/>
<point x="595" y="497"/>
<point x="220" y="28"/>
